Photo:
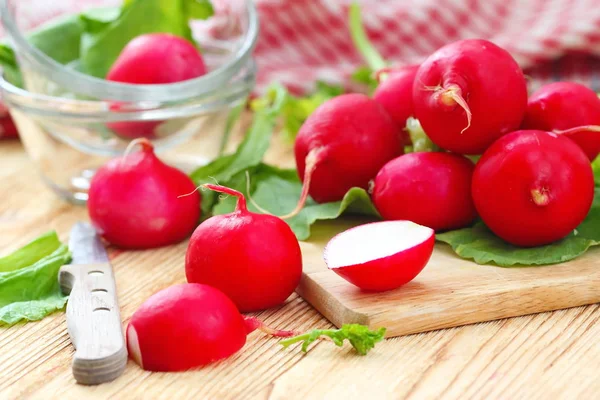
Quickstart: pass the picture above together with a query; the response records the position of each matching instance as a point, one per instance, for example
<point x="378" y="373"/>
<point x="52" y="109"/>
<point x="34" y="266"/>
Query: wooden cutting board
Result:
<point x="449" y="292"/>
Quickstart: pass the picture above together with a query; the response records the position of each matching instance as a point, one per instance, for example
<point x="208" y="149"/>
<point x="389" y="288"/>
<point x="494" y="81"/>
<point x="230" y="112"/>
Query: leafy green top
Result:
<point x="29" y="288"/>
<point x="91" y="41"/>
<point x="360" y="337"/>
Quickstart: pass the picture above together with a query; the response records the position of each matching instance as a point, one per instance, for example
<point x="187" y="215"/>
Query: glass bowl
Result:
<point x="71" y="123"/>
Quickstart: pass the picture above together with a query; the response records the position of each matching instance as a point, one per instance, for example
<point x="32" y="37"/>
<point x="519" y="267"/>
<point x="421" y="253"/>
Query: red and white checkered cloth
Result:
<point x="305" y="40"/>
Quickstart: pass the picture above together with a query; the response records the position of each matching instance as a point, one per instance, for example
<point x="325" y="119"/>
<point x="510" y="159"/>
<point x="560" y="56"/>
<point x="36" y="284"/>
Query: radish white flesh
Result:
<point x="381" y="255"/>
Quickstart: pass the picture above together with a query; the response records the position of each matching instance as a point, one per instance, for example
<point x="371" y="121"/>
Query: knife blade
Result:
<point x="93" y="317"/>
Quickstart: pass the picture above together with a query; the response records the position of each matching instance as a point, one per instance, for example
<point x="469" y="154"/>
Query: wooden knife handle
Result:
<point x="94" y="323"/>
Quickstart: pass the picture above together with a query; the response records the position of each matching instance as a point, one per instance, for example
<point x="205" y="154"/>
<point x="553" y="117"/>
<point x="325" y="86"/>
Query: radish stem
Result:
<point x="361" y="41"/>
<point x="241" y="200"/>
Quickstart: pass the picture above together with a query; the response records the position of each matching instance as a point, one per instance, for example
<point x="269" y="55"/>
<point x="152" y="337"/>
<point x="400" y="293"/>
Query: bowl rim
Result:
<point x="42" y="105"/>
<point x="80" y="83"/>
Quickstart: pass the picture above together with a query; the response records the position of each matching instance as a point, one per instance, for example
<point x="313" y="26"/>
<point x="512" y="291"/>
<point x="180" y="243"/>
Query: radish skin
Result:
<point x="568" y="108"/>
<point x="380" y="256"/>
<point x="430" y="188"/>
<point x="155" y="58"/>
<point x="533" y="187"/>
<point x="459" y="101"/>
<point x="134" y="201"/>
<point x="255" y="259"/>
<point x="342" y="145"/>
<point x="394" y="93"/>
<point x="186" y="326"/>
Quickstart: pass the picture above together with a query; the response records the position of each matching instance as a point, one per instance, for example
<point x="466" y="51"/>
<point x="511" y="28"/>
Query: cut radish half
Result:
<point x="381" y="255"/>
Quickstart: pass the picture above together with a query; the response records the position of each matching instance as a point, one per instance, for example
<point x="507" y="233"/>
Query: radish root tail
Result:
<point x="312" y="159"/>
<point x="578" y="129"/>
<point x="453" y="95"/>
<point x="253" y="324"/>
<point x="252" y="201"/>
<point x="143" y="142"/>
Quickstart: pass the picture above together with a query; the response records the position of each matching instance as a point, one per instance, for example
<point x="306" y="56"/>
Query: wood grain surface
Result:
<point x="449" y="292"/>
<point x="544" y="356"/>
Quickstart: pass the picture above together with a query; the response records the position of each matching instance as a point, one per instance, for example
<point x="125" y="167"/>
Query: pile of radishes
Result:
<point x="532" y="185"/>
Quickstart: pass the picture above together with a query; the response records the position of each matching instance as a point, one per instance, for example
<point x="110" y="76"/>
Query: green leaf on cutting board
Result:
<point x="103" y="39"/>
<point x="482" y="246"/>
<point x="277" y="190"/>
<point x="29" y="288"/>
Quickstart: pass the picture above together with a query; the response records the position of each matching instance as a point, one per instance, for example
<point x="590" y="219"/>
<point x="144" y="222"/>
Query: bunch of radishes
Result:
<point x="533" y="184"/>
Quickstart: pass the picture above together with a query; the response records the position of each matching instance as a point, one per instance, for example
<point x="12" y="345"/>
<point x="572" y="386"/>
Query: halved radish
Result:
<point x="381" y="255"/>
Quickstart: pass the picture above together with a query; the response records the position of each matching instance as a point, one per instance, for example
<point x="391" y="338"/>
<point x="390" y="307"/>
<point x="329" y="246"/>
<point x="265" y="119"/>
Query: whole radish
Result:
<point x="155" y="58"/>
<point x="430" y="188"/>
<point x="568" y="108"/>
<point x="186" y="326"/>
<point x="394" y="93"/>
<point x="254" y="259"/>
<point x="469" y="93"/>
<point x="134" y="201"/>
<point x="533" y="187"/>
<point x="343" y="144"/>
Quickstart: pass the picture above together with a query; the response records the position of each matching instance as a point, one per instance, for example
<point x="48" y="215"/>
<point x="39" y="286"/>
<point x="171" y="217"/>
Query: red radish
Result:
<point x="381" y="255"/>
<point x="133" y="129"/>
<point x="8" y="128"/>
<point x="430" y="188"/>
<point x="254" y="259"/>
<point x="469" y="93"/>
<point x="155" y="58"/>
<point x="134" y="201"/>
<point x="394" y="93"/>
<point x="533" y="187"/>
<point x="568" y="108"/>
<point x="186" y="326"/>
<point x="343" y="144"/>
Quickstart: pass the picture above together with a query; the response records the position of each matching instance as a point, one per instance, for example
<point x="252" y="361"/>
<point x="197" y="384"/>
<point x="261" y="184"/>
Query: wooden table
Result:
<point x="546" y="356"/>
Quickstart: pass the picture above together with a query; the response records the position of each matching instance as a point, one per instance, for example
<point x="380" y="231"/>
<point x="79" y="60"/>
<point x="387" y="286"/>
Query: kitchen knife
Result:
<point x="93" y="318"/>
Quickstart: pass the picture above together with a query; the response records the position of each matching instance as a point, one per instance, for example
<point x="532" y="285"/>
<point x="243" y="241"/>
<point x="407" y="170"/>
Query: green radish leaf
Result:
<point x="481" y="245"/>
<point x="419" y="139"/>
<point x="596" y="169"/>
<point x="59" y="39"/>
<point x="29" y="288"/>
<point x="278" y="190"/>
<point x="362" y="43"/>
<point x="297" y="108"/>
<point x="105" y="36"/>
<point x="365" y="76"/>
<point x="198" y="9"/>
<point x="30" y="253"/>
<point x="248" y="154"/>
<point x="360" y="337"/>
